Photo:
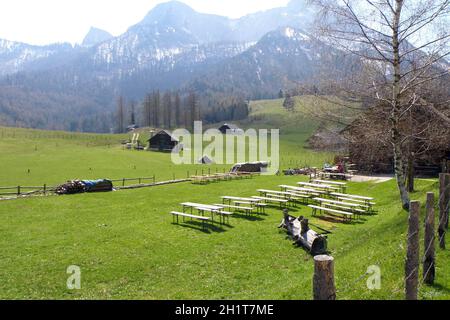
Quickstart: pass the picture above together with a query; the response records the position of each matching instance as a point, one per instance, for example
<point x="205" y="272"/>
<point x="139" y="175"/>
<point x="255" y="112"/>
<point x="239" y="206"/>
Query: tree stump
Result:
<point x="429" y="257"/>
<point x="412" y="255"/>
<point x="323" y="280"/>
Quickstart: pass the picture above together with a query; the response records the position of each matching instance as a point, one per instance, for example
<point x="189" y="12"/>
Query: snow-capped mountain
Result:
<point x="281" y="59"/>
<point x="16" y="56"/>
<point x="168" y="30"/>
<point x="173" y="47"/>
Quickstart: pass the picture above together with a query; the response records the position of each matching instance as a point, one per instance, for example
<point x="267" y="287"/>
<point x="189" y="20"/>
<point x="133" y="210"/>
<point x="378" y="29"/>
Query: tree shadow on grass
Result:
<point x="335" y="219"/>
<point x="370" y="213"/>
<point x="196" y="225"/>
<point x="248" y="217"/>
<point x="437" y="286"/>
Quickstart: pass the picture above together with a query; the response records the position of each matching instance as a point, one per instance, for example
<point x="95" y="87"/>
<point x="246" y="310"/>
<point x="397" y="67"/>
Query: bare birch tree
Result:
<point x="403" y="46"/>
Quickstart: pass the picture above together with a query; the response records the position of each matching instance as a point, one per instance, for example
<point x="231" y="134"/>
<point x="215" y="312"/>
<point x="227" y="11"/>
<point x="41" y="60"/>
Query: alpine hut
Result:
<point x="163" y="141"/>
<point x="230" y="129"/>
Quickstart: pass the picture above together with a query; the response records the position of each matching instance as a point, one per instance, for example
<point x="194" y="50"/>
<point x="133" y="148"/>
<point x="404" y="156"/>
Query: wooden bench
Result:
<point x="353" y="207"/>
<point x="311" y="191"/>
<point x="266" y="199"/>
<point x="247" y="210"/>
<point x="361" y="203"/>
<point x="356" y="211"/>
<point x="186" y="215"/>
<point x="346" y="215"/>
<point x="260" y="206"/>
<point x="220" y="213"/>
<point x="319" y="186"/>
<point x="341" y="185"/>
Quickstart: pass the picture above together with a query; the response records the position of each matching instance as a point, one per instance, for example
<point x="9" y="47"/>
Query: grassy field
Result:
<point x="55" y="157"/>
<point x="127" y="247"/>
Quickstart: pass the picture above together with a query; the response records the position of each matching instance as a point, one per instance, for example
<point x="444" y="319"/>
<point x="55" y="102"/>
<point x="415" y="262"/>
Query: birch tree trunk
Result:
<point x="400" y="162"/>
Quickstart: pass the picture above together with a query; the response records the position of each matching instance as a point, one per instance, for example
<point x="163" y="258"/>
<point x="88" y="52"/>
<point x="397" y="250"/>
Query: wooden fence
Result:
<point x="25" y="190"/>
<point x="45" y="189"/>
<point x="323" y="279"/>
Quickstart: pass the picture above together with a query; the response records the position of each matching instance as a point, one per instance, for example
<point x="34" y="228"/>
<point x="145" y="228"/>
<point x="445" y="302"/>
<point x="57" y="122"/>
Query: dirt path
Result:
<point x="375" y="179"/>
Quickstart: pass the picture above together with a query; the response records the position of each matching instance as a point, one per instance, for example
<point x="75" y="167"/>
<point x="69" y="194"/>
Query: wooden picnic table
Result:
<point x="330" y="182"/>
<point x="281" y="202"/>
<point x="230" y="198"/>
<point x="354" y="207"/>
<point x="320" y="200"/>
<point x="325" y="187"/>
<point x="354" y="196"/>
<point x="330" y="175"/>
<point x="240" y="200"/>
<point x="342" y="186"/>
<point x="202" y="208"/>
<point x="193" y="205"/>
<point x="308" y="190"/>
<point x="282" y="193"/>
<point x="366" y="200"/>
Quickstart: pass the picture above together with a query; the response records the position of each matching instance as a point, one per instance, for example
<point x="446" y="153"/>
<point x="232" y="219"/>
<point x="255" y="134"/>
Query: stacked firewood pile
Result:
<point x="71" y="187"/>
<point x="295" y="172"/>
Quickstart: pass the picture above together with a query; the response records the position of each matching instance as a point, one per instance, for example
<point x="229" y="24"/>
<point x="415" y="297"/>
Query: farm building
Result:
<point x="371" y="151"/>
<point x="260" y="166"/>
<point x="163" y="141"/>
<point x="230" y="128"/>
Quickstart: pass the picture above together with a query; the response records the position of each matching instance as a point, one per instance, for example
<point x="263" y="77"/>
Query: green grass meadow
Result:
<point x="128" y="248"/>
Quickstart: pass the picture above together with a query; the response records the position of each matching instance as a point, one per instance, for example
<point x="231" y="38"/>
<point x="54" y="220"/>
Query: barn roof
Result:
<point x="164" y="132"/>
<point x="230" y="126"/>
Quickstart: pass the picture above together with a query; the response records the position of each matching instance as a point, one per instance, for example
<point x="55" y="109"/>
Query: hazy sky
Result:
<point x="49" y="21"/>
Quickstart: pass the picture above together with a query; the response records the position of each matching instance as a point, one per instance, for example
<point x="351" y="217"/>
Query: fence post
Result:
<point x="429" y="258"/>
<point x="154" y="179"/>
<point x="140" y="180"/>
<point x="444" y="198"/>
<point x="412" y="254"/>
<point x="323" y="280"/>
<point x="123" y="182"/>
<point x="45" y="189"/>
<point x="18" y="190"/>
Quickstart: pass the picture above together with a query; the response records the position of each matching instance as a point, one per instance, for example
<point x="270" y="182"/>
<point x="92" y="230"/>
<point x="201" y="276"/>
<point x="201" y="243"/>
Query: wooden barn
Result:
<point x="163" y="141"/>
<point x="371" y="151"/>
<point x="230" y="128"/>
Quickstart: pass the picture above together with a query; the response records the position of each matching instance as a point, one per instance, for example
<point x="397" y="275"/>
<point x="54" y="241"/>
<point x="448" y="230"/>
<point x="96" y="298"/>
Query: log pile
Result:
<point x="71" y="187"/>
<point x="299" y="230"/>
<point x="81" y="186"/>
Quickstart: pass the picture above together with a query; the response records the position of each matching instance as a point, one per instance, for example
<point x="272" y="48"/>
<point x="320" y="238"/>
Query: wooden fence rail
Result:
<point x="20" y="190"/>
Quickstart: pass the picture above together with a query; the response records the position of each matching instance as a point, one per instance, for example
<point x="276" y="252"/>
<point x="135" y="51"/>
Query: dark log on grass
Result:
<point x="429" y="257"/>
<point x="323" y="280"/>
<point x="412" y="255"/>
<point x="298" y="229"/>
